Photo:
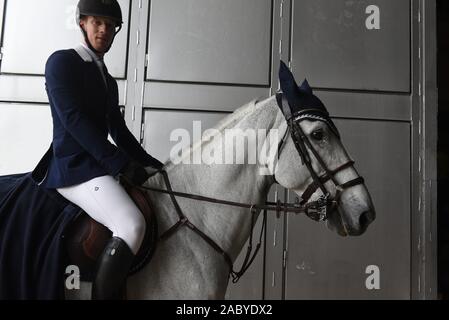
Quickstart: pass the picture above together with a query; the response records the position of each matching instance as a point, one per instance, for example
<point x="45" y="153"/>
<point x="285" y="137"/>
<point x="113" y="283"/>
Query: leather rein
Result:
<point x="316" y="210"/>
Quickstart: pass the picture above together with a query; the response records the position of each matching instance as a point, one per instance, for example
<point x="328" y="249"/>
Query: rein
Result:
<point x="309" y="209"/>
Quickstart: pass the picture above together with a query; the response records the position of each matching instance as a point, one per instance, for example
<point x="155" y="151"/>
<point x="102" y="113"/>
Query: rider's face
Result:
<point x="100" y="32"/>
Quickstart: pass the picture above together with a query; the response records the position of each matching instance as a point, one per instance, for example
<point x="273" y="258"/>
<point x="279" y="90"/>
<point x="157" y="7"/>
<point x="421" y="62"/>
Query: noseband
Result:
<point x="316" y="210"/>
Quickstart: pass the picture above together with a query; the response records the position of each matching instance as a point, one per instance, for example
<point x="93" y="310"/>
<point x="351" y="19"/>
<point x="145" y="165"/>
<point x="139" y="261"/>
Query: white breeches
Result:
<point x="105" y="200"/>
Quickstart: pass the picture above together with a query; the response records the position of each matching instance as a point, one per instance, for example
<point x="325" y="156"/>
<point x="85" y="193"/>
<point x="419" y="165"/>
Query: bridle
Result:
<point x="316" y="210"/>
<point x="326" y="202"/>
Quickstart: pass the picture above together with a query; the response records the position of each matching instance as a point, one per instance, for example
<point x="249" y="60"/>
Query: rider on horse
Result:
<point x="82" y="164"/>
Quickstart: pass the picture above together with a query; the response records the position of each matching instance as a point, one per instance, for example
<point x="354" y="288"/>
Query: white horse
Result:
<point x="187" y="267"/>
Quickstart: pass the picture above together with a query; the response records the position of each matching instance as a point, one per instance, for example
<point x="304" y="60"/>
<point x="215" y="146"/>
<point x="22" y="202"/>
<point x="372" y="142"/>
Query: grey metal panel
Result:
<point x="424" y="145"/>
<point x="333" y="48"/>
<point x="22" y="143"/>
<point x="136" y="64"/>
<point x="281" y="32"/>
<point x="274" y="247"/>
<point x="216" y="98"/>
<point x="323" y="265"/>
<point x="418" y="276"/>
<point x="366" y="105"/>
<point x="250" y="286"/>
<point x="160" y="124"/>
<point x="2" y="7"/>
<point x="122" y="92"/>
<point x="32" y="89"/>
<point x="210" y="41"/>
<point x="32" y="32"/>
<point x="22" y="88"/>
<point x="429" y="148"/>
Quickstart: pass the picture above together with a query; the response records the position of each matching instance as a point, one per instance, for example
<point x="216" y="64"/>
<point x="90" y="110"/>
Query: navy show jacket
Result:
<point x="84" y="111"/>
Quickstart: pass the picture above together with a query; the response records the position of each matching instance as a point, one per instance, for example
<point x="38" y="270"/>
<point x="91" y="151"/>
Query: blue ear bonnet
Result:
<point x="302" y="103"/>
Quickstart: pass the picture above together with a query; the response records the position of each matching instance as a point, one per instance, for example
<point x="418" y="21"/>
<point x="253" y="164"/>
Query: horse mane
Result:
<point x="227" y="122"/>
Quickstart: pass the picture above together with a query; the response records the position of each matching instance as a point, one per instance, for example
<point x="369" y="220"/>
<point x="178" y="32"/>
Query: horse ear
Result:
<point x="305" y="87"/>
<point x="288" y="85"/>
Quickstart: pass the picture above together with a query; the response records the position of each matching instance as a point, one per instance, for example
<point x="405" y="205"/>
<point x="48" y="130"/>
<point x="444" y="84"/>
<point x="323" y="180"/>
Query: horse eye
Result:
<point x="318" y="135"/>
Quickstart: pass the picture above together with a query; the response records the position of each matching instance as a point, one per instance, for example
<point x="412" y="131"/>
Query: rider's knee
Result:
<point x="131" y="229"/>
<point x="138" y="225"/>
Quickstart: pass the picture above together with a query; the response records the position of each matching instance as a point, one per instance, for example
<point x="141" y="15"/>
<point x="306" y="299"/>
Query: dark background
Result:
<point x="443" y="147"/>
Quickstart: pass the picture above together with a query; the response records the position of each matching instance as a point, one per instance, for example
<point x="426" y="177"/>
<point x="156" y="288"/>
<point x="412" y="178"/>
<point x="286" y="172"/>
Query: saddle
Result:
<point x="85" y="238"/>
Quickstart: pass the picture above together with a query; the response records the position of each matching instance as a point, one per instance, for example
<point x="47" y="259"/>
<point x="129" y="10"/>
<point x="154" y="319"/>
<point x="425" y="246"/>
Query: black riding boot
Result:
<point x="112" y="269"/>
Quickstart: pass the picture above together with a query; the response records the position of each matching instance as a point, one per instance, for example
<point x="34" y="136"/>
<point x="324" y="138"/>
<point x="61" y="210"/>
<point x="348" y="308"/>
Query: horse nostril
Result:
<point x="365" y="219"/>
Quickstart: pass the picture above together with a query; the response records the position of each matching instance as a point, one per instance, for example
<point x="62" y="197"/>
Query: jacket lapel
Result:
<point x="93" y="66"/>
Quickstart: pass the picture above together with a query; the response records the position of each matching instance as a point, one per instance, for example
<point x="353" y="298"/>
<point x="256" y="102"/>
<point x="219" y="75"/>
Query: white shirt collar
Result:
<point x="86" y="53"/>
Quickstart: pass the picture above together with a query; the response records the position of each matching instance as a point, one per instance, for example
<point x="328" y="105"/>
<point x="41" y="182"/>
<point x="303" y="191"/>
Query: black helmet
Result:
<point x="101" y="8"/>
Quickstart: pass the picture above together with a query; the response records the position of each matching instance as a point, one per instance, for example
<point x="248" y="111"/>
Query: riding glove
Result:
<point x="156" y="164"/>
<point x="135" y="173"/>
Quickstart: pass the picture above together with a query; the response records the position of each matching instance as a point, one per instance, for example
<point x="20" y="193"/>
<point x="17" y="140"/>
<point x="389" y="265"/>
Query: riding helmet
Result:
<point x="100" y="8"/>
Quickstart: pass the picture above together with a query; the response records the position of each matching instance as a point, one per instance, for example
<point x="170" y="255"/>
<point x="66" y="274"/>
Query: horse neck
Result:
<point x="228" y="226"/>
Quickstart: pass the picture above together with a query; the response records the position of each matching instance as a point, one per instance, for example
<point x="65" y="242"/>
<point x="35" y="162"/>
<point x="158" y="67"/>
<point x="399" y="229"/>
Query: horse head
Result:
<point x="325" y="178"/>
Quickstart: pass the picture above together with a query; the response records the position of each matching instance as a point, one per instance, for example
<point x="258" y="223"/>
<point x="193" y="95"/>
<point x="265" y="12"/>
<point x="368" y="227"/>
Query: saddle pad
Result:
<point x="86" y="238"/>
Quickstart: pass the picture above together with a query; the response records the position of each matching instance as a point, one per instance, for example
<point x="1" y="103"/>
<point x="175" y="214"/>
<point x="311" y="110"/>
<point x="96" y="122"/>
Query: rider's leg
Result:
<point x="108" y="203"/>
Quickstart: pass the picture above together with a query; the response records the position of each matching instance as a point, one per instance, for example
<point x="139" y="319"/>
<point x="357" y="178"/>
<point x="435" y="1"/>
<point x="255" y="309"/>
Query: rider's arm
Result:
<point x="124" y="138"/>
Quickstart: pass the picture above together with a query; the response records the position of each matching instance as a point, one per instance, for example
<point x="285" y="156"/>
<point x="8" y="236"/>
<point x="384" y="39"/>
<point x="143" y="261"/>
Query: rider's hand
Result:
<point x="156" y="164"/>
<point x="135" y="173"/>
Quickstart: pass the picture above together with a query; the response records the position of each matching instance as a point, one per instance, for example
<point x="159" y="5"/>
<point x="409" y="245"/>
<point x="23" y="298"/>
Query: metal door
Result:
<point x="354" y="45"/>
<point x="366" y="62"/>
